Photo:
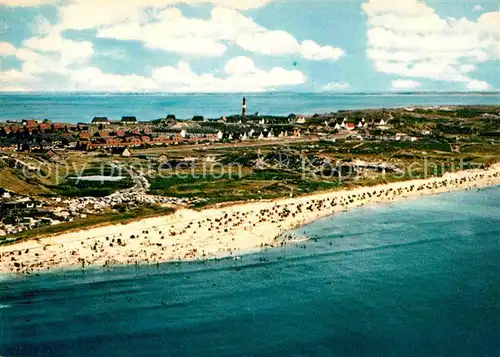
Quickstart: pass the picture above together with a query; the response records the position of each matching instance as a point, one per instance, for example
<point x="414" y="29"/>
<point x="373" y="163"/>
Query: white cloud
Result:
<point x="89" y="14"/>
<point x="41" y="25"/>
<point x="156" y="36"/>
<point x="410" y="39"/>
<point x="43" y="57"/>
<point x="467" y="68"/>
<point x="335" y="86"/>
<point x="93" y="79"/>
<point x="240" y="74"/>
<point x="477" y="8"/>
<point x="311" y="50"/>
<point x="114" y="53"/>
<point x="27" y="3"/>
<point x="478" y="85"/>
<point x="7" y="49"/>
<point x="236" y="4"/>
<point x="17" y="81"/>
<point x="405" y="84"/>
<point x="268" y="42"/>
<point x="242" y="4"/>
<point x="172" y="31"/>
<point x="14" y="75"/>
<point x="68" y="51"/>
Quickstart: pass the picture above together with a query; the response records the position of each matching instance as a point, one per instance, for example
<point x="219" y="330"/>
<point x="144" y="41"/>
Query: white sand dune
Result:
<point x="217" y="232"/>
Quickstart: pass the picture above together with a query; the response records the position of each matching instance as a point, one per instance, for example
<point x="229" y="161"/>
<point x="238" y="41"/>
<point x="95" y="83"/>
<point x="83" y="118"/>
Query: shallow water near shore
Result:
<point x="413" y="278"/>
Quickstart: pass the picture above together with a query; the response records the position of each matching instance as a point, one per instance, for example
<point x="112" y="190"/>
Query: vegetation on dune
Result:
<point x="91" y="188"/>
<point x="91" y="222"/>
<point x="74" y="187"/>
<point x="259" y="184"/>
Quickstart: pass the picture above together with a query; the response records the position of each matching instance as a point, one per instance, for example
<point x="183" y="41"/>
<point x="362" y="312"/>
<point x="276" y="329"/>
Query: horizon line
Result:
<point x="491" y="92"/>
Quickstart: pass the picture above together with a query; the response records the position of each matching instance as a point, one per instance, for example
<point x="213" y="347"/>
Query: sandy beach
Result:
<point x="217" y="232"/>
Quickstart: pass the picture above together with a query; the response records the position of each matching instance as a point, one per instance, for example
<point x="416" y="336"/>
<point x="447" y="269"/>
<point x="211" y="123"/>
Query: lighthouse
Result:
<point x="244" y="107"/>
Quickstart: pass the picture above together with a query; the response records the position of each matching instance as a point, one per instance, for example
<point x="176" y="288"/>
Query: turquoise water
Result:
<point x="414" y="278"/>
<point x="73" y="108"/>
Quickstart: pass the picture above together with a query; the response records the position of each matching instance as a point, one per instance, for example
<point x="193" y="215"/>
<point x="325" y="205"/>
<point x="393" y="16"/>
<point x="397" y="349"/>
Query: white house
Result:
<point x="301" y="120"/>
<point x="244" y="137"/>
<point x="337" y="126"/>
<point x="183" y="133"/>
<point x="126" y="153"/>
<point x="261" y="136"/>
<point x="220" y="135"/>
<point x="382" y="122"/>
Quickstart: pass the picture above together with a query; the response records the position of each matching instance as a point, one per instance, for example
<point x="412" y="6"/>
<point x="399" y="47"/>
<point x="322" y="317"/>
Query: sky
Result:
<point x="249" y="45"/>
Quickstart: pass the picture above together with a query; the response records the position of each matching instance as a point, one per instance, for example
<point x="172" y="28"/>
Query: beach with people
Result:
<point x="218" y="232"/>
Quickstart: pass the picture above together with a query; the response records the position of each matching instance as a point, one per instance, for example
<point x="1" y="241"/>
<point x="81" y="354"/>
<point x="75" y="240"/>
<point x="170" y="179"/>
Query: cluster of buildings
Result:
<point x="19" y="213"/>
<point x="121" y="135"/>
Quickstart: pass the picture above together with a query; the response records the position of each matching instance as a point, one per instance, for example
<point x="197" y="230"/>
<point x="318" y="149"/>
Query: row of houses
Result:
<point x="126" y="120"/>
<point x="31" y="127"/>
<point x="165" y="138"/>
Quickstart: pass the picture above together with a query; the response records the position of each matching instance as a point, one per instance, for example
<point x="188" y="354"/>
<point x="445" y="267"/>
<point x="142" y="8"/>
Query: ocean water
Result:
<point x="413" y="278"/>
<point x="73" y="108"/>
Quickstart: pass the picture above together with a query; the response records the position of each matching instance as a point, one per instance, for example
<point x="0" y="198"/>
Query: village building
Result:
<point x="30" y="123"/>
<point x="129" y="120"/>
<point x="52" y="155"/>
<point x="350" y="126"/>
<point x="100" y="121"/>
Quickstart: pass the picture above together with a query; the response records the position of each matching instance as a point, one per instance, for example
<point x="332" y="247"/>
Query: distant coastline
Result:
<point x="82" y="107"/>
<point x="249" y="94"/>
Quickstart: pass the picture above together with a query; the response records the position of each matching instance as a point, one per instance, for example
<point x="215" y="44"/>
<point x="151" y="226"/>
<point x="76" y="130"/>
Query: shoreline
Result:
<point x="222" y="232"/>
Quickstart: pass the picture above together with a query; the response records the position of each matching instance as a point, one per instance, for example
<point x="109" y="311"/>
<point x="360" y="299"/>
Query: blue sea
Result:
<point x="82" y="107"/>
<point x="413" y="278"/>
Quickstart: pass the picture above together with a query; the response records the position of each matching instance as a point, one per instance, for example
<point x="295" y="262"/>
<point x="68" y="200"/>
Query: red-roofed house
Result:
<point x="44" y="127"/>
<point x="103" y="134"/>
<point x="30" y="123"/>
<point x="85" y="134"/>
<point x="350" y="126"/>
<point x="59" y="126"/>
